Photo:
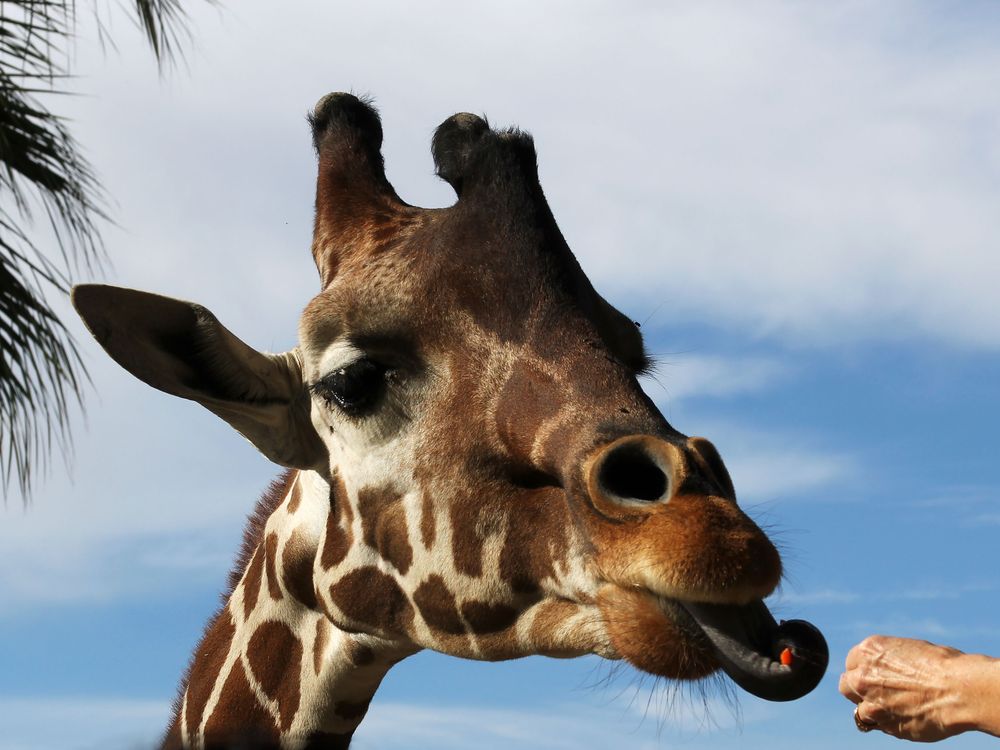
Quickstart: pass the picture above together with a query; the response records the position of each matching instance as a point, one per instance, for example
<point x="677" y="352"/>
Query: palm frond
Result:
<point x="42" y="170"/>
<point x="162" y="21"/>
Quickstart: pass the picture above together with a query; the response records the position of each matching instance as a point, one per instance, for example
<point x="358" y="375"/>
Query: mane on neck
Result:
<point x="253" y="535"/>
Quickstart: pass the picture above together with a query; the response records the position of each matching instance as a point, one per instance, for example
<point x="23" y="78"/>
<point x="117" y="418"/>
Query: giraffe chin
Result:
<point x="656" y="635"/>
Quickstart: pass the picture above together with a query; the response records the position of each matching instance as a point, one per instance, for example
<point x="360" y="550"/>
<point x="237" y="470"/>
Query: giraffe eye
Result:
<point x="355" y="389"/>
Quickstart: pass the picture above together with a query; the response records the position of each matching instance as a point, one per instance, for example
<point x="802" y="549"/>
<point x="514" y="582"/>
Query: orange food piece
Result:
<point x="787" y="657"/>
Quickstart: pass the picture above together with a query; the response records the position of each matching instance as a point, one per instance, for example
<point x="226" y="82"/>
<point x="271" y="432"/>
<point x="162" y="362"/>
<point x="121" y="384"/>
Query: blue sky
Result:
<point x="799" y="202"/>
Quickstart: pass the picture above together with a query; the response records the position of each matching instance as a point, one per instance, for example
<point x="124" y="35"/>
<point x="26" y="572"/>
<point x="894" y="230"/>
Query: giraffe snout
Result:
<point x="642" y="472"/>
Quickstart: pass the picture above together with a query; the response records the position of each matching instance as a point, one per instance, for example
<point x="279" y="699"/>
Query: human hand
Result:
<point x="906" y="688"/>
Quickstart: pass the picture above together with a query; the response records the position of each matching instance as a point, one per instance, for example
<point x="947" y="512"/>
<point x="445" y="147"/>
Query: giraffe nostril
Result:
<point x="628" y="472"/>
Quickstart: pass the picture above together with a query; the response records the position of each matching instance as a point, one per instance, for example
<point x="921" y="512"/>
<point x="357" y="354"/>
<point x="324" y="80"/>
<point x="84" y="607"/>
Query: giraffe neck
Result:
<point x="272" y="671"/>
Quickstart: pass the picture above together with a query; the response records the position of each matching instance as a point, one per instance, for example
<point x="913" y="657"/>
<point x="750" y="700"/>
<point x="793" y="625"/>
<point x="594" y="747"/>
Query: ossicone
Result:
<point x="472" y="158"/>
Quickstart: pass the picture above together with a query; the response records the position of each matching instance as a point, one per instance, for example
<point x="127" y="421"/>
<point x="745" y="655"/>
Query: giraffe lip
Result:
<point x="748" y="644"/>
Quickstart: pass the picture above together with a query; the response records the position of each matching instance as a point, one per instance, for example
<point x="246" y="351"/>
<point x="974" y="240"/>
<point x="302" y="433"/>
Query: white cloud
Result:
<point x="927" y="628"/>
<point x="157" y="500"/>
<point x="805" y="171"/>
<point x="932" y="592"/>
<point x="640" y="719"/>
<point x="81" y="723"/>
<point x="647" y="723"/>
<point x="821" y="596"/>
<point x="767" y="466"/>
<point x="699" y="376"/>
<point x="917" y="593"/>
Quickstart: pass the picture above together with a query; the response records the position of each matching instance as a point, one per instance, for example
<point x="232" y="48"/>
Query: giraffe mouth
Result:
<point x="775" y="661"/>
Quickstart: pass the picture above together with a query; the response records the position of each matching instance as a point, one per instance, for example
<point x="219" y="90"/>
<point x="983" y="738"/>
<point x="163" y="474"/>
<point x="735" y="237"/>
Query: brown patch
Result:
<point x="383" y="236"/>
<point x="428" y="526"/>
<point x="529" y="398"/>
<point x="351" y="711"/>
<point x="383" y="525"/>
<point x="328" y="741"/>
<point x="393" y="542"/>
<point x="206" y="665"/>
<point x="437" y="606"/>
<point x="173" y="739"/>
<point x="275" y="657"/>
<point x="319" y="643"/>
<point x="253" y="533"/>
<point x="297" y="567"/>
<point x="488" y="618"/>
<point x="338" y="539"/>
<point x="370" y="597"/>
<point x="466" y="544"/>
<point x="295" y="497"/>
<point x="239" y="719"/>
<point x="536" y="541"/>
<point x="270" y="565"/>
<point x="372" y="501"/>
<point x="359" y="654"/>
<point x="251" y="582"/>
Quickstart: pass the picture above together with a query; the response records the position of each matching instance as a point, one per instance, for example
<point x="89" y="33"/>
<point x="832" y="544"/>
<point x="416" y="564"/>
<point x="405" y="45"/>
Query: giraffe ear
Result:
<point x="182" y="349"/>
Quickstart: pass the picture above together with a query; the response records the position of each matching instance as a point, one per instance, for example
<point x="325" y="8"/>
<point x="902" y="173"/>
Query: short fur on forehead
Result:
<point x="501" y="208"/>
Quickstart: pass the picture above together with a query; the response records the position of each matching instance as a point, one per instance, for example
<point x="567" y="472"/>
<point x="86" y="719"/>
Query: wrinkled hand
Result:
<point x="909" y="689"/>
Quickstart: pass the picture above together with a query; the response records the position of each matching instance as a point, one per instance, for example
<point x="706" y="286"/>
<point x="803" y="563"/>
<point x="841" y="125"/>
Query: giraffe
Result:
<point x="471" y="465"/>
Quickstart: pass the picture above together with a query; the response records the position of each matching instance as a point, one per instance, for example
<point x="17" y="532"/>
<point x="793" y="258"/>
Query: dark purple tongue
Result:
<point x="749" y="645"/>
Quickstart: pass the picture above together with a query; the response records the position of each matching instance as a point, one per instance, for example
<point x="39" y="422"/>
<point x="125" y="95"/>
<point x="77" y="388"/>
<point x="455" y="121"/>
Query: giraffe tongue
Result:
<point x="749" y="645"/>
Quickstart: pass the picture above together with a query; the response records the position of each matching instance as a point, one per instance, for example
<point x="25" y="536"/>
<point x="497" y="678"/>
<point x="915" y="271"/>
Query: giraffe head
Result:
<point x="500" y="485"/>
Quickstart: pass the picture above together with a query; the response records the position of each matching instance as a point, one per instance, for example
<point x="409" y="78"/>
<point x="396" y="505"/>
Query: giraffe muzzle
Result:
<point x="775" y="661"/>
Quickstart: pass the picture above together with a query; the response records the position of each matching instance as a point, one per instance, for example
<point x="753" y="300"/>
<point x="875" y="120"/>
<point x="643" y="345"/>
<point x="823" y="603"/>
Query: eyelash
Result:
<point x="354" y="389"/>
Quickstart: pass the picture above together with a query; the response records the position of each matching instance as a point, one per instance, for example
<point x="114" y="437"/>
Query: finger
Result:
<point x="855" y="657"/>
<point x="870" y="651"/>
<point x="878" y="714"/>
<point x="868" y="713"/>
<point x="861" y="722"/>
<point x="847" y="688"/>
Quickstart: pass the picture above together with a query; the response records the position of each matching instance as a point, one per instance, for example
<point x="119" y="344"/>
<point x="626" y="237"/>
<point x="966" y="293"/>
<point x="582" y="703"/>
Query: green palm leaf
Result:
<point x="43" y="172"/>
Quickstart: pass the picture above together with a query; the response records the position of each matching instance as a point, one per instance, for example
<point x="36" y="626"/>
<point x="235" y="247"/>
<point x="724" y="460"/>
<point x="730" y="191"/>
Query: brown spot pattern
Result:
<point x="338" y="537"/>
<point x="328" y="741"/>
<point x="428" y="526"/>
<point x="351" y="711"/>
<point x="270" y="565"/>
<point x="206" y="666"/>
<point x="372" y="501"/>
<point x="528" y="399"/>
<point x="370" y="597"/>
<point x="488" y="618"/>
<point x="275" y="656"/>
<point x="319" y="643"/>
<point x="466" y="545"/>
<point x="392" y="541"/>
<point x="295" y="498"/>
<point x="536" y="541"/>
<point x="359" y="654"/>
<point x="383" y="525"/>
<point x="253" y="534"/>
<point x="174" y="739"/>
<point x="239" y="719"/>
<point x="437" y="606"/>
<point x="297" y="568"/>
<point x="251" y="583"/>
